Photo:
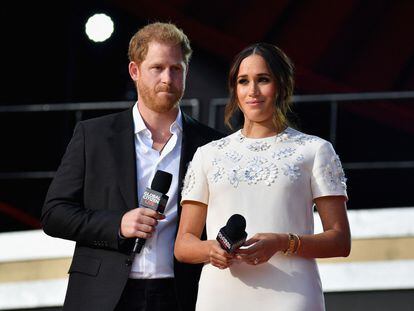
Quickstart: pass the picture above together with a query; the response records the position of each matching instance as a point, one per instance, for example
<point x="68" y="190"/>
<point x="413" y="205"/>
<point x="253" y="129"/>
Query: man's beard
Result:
<point x="156" y="103"/>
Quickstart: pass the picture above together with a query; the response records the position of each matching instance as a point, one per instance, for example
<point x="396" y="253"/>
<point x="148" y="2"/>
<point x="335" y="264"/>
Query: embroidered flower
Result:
<point x="283" y="153"/>
<point x="302" y="139"/>
<point x="300" y="158"/>
<point x="234" y="176"/>
<point x="258" y="146"/>
<point x="283" y="136"/>
<point x="239" y="137"/>
<point x="271" y="174"/>
<point x="254" y="170"/>
<point x="334" y="174"/>
<point x="221" y="143"/>
<point x="259" y="169"/>
<point x="189" y="180"/>
<point x="217" y="173"/>
<point x="234" y="156"/>
<point x="292" y="171"/>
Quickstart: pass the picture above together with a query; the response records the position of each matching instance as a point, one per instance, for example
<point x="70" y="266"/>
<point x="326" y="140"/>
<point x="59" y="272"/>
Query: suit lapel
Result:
<point x="188" y="147"/>
<point x="123" y="149"/>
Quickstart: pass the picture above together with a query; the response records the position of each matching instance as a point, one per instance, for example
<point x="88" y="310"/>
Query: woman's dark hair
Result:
<point x="282" y="70"/>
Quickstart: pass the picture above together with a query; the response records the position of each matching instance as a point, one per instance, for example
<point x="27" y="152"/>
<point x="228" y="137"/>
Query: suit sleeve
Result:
<point x="64" y="215"/>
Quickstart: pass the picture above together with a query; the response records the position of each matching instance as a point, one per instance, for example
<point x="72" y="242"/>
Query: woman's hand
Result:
<point x="218" y="257"/>
<point x="262" y="247"/>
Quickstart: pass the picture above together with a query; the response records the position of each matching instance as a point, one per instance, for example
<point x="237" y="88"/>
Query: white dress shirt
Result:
<point x="156" y="259"/>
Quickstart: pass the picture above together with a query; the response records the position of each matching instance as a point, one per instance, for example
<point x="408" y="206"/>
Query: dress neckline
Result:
<point x="242" y="137"/>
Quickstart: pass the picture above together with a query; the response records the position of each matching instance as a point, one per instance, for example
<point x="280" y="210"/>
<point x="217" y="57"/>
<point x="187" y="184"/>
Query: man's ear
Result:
<point x="133" y="69"/>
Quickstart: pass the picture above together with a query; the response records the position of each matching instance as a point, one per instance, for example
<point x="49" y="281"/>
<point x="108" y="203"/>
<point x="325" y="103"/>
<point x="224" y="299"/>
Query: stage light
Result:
<point x="99" y="27"/>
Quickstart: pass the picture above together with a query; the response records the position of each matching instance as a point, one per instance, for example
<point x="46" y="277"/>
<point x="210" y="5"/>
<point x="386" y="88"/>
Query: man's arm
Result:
<point x="64" y="215"/>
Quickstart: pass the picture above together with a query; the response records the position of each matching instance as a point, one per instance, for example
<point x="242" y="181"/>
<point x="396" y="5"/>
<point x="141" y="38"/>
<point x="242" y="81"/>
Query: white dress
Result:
<point x="271" y="182"/>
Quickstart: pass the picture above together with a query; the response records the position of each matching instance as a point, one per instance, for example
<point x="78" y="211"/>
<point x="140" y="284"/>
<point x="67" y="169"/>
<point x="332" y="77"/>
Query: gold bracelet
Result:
<point x="295" y="251"/>
<point x="292" y="244"/>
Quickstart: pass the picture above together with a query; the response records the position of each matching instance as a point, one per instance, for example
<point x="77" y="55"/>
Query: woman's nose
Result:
<point x="253" y="89"/>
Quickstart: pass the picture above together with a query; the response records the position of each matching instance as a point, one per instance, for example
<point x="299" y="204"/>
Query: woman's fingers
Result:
<point x="219" y="257"/>
<point x="251" y="241"/>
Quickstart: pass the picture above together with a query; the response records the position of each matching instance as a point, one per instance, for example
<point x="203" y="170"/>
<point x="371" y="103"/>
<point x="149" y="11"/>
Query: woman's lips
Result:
<point x="254" y="102"/>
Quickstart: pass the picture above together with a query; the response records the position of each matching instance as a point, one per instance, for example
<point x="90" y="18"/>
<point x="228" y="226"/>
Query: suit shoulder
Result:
<point x="106" y="120"/>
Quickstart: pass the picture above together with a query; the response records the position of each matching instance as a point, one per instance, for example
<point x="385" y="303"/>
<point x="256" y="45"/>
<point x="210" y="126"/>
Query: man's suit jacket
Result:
<point x="93" y="188"/>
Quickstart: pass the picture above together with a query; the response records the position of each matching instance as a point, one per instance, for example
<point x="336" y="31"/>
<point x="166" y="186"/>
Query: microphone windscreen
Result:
<point x="235" y="227"/>
<point x="161" y="182"/>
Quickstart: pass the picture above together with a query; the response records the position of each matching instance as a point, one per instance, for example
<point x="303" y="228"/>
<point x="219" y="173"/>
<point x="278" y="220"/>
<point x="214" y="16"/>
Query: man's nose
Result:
<point x="166" y="76"/>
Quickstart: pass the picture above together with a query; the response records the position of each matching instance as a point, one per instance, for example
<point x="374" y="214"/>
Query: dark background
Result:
<point x="337" y="46"/>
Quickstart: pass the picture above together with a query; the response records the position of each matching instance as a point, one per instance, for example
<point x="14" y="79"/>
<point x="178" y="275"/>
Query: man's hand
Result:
<point x="140" y="223"/>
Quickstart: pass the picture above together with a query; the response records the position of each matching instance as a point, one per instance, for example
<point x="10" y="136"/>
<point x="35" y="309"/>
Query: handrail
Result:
<point x="332" y="99"/>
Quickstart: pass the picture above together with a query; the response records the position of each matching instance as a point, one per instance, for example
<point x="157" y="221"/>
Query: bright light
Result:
<point x="99" y="27"/>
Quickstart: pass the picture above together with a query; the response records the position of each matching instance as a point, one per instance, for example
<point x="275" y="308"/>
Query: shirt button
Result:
<point x="128" y="262"/>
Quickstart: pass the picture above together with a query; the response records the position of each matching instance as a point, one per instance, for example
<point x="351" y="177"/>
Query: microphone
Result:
<point x="232" y="235"/>
<point x="155" y="198"/>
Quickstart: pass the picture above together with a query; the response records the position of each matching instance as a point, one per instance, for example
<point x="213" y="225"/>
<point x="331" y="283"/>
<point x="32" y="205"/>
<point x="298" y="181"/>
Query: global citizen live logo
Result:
<point x="223" y="241"/>
<point x="150" y="199"/>
<point x="228" y="245"/>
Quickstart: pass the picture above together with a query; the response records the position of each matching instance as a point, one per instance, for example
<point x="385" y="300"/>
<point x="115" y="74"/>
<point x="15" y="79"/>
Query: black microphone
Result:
<point x="232" y="235"/>
<point x="155" y="198"/>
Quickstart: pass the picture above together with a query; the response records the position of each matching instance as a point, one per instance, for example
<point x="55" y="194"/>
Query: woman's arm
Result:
<point x="188" y="246"/>
<point x="334" y="241"/>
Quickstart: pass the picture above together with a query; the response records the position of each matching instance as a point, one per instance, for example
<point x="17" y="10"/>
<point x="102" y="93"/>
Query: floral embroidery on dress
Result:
<point x="189" y="180"/>
<point x="270" y="175"/>
<point x="257" y="169"/>
<point x="234" y="176"/>
<point x="254" y="170"/>
<point x="239" y="137"/>
<point x="234" y="156"/>
<point x="284" y="153"/>
<point x="303" y="139"/>
<point x="292" y="171"/>
<point x="334" y="174"/>
<point x="217" y="173"/>
<point x="300" y="158"/>
<point x="283" y="136"/>
<point x="258" y="146"/>
<point x="221" y="143"/>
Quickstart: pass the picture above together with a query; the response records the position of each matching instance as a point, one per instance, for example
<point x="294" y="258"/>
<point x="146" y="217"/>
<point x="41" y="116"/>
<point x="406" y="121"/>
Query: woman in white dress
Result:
<point x="273" y="175"/>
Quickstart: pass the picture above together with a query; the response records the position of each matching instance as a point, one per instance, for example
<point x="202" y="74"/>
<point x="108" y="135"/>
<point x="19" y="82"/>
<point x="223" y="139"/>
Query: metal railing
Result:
<point x="191" y="105"/>
<point x="333" y="100"/>
<point x="194" y="109"/>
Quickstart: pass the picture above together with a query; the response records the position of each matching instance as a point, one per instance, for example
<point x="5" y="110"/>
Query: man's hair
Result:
<point x="158" y="32"/>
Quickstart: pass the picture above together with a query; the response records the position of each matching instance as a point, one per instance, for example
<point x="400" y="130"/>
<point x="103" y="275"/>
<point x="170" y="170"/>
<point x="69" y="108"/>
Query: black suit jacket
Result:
<point x="93" y="188"/>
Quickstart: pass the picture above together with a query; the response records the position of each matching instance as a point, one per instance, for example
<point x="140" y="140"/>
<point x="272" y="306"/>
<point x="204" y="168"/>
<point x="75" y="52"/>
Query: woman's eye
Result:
<point x="264" y="79"/>
<point x="242" y="81"/>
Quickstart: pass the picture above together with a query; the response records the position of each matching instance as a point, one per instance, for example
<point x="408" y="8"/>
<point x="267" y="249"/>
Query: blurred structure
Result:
<point x="355" y="87"/>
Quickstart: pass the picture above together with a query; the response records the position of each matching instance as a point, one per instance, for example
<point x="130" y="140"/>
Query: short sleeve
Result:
<point x="195" y="186"/>
<point x="327" y="176"/>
